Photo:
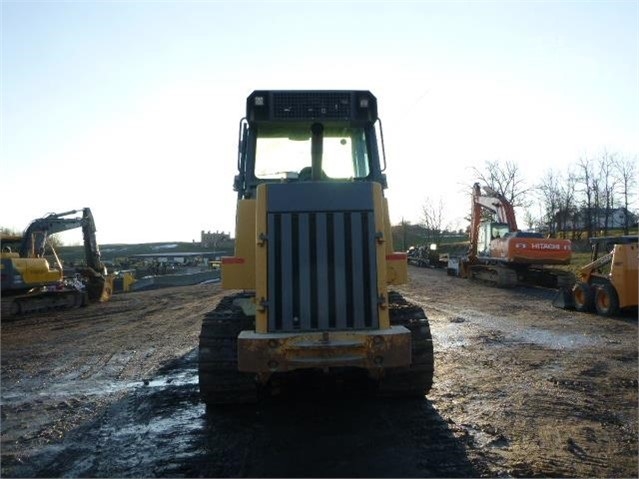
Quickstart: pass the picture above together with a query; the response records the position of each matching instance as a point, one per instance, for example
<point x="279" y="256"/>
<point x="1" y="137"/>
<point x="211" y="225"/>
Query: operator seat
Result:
<point x="306" y="174"/>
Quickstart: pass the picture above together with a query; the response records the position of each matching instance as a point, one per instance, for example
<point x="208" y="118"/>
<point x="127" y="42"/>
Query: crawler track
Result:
<point x="220" y="381"/>
<point x="418" y="378"/>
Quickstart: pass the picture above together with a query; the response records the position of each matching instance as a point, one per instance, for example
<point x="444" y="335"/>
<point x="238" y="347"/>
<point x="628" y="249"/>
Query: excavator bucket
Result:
<point x="99" y="287"/>
<point x="564" y="299"/>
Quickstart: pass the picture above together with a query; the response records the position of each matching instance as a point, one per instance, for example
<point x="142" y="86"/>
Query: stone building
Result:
<point x="213" y="240"/>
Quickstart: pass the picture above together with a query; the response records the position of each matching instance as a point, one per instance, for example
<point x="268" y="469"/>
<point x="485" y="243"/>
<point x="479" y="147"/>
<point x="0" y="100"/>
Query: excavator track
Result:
<point x="43" y="301"/>
<point x="547" y="278"/>
<point x="503" y="276"/>
<point x="220" y="381"/>
<point x="494" y="275"/>
<point x="417" y="379"/>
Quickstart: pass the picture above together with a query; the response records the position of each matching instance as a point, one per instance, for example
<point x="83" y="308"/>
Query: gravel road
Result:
<point x="521" y="390"/>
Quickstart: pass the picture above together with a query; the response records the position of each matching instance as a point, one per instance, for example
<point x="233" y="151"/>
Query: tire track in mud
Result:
<point x="163" y="430"/>
<point x="539" y="391"/>
<point x="521" y="389"/>
<point x="64" y="368"/>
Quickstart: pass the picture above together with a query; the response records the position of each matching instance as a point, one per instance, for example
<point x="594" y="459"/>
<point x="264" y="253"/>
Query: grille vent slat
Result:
<point x="321" y="266"/>
<point x="286" y="259"/>
<point x="358" y="275"/>
<point x="305" y="272"/>
<point x="322" y="271"/>
<point x="339" y="288"/>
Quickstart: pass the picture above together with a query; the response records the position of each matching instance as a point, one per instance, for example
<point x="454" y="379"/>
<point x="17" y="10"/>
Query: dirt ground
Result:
<point x="522" y="389"/>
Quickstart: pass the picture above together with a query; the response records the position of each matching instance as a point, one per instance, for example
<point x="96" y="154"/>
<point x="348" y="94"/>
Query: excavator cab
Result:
<point x="491" y="235"/>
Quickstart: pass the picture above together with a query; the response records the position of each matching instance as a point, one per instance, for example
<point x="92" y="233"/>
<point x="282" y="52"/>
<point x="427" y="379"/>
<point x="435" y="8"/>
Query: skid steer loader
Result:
<point x="313" y="257"/>
<point x="608" y="284"/>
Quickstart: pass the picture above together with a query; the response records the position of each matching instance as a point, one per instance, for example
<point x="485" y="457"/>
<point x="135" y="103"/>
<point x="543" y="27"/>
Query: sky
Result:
<point x="132" y="108"/>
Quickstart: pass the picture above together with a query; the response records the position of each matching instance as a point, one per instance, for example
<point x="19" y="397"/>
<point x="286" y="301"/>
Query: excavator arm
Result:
<point x="35" y="236"/>
<point x="496" y="204"/>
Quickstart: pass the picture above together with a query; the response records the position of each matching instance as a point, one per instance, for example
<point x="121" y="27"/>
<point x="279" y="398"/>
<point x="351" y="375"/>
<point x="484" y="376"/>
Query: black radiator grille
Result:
<point x="304" y="105"/>
<point x="322" y="272"/>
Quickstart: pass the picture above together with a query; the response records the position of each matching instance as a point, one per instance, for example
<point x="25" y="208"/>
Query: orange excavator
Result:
<point x="501" y="254"/>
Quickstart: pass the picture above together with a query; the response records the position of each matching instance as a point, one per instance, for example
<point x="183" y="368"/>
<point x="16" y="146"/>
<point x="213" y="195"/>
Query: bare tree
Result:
<point x="608" y="186"/>
<point x="505" y="179"/>
<point x="587" y="181"/>
<point x="433" y="219"/>
<point x="567" y="207"/>
<point x="549" y="189"/>
<point x="400" y="235"/>
<point x="530" y="219"/>
<point x="626" y="170"/>
<point x="55" y="241"/>
<point x="10" y="231"/>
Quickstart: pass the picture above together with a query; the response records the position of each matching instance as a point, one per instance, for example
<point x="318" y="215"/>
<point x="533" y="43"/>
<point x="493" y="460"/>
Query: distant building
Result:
<point x="213" y="240"/>
<point x="616" y="218"/>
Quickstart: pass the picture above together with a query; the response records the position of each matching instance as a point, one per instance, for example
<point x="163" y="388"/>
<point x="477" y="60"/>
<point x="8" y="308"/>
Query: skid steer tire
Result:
<point x="606" y="300"/>
<point x="220" y="381"/>
<point x="417" y="379"/>
<point x="583" y="297"/>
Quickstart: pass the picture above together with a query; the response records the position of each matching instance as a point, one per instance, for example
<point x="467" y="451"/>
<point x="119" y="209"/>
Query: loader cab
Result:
<point x="301" y="136"/>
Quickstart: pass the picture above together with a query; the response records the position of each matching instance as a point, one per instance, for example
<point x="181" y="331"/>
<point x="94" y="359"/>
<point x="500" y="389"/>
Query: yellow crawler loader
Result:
<point x="314" y="256"/>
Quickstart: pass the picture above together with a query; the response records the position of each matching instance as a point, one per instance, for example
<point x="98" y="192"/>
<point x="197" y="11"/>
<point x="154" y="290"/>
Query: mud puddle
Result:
<point x="162" y="429"/>
<point x="140" y="435"/>
<point x="455" y="328"/>
<point x="33" y="391"/>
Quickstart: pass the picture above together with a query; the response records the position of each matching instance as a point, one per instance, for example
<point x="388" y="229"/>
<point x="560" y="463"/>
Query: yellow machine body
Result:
<point x="314" y="256"/>
<point x="264" y="351"/>
<point x="609" y="283"/>
<point x="622" y="274"/>
<point x="362" y="338"/>
<point x="34" y="271"/>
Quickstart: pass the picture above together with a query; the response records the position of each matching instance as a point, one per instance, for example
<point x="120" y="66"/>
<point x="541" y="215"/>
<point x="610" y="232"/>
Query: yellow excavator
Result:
<point x="608" y="284"/>
<point x="30" y="283"/>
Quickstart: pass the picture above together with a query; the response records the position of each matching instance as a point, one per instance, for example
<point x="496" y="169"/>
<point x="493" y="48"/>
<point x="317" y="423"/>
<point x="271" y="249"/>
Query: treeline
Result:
<point x="593" y="196"/>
